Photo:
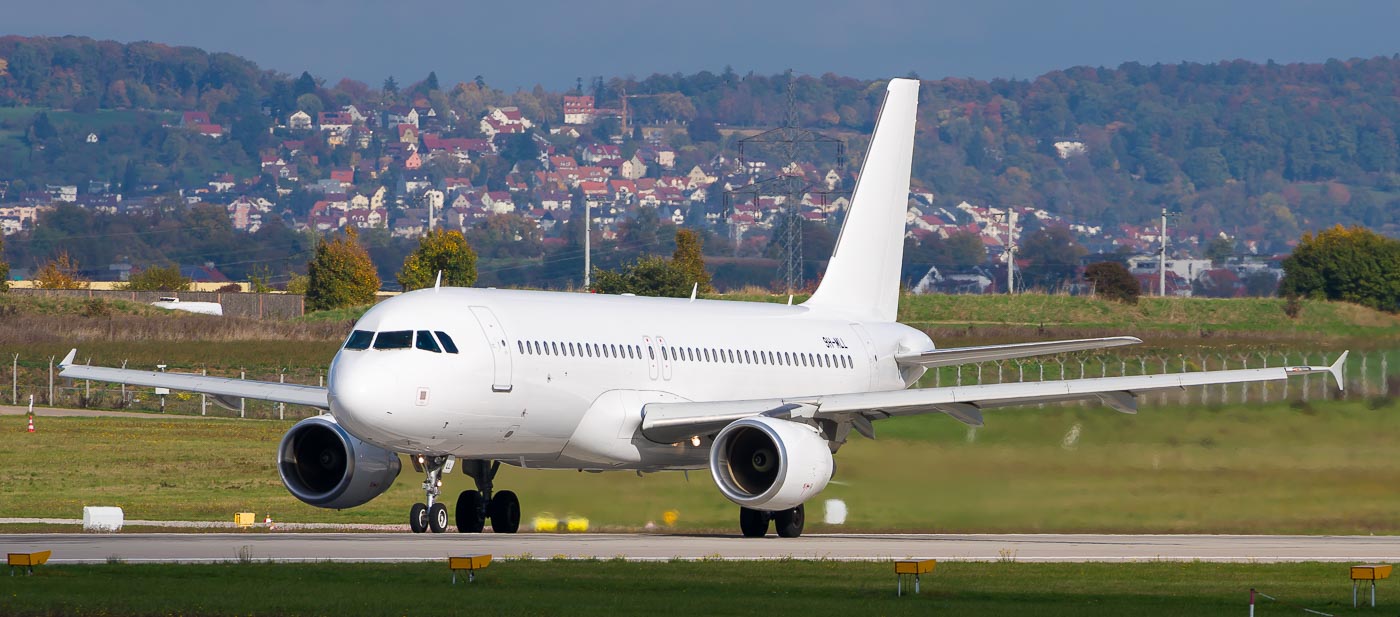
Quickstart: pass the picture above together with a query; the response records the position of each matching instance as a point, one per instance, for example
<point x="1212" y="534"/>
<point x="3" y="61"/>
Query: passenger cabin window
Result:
<point x="359" y="339"/>
<point x="426" y="343"/>
<point x="398" y="339"/>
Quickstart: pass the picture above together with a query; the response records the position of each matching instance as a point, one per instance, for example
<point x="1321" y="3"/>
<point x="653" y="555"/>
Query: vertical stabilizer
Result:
<point x="862" y="279"/>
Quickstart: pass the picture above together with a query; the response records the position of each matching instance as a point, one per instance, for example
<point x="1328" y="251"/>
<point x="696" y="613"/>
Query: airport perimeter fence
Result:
<point x="235" y="304"/>
<point x="1369" y="375"/>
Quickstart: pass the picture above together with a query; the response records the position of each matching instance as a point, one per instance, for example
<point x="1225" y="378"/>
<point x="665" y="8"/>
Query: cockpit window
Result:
<point x="447" y="343"/>
<point x="398" y="339"/>
<point x="426" y="343"/>
<point x="359" y="339"/>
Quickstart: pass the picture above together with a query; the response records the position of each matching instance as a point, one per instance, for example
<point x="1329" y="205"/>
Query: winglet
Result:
<point x="68" y="359"/>
<point x="1336" y="370"/>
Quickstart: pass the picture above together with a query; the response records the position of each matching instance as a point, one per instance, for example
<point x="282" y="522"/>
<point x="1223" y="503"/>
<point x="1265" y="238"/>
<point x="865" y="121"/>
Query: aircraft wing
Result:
<point x="673" y="422"/>
<point x="223" y="388"/>
<point x="986" y="353"/>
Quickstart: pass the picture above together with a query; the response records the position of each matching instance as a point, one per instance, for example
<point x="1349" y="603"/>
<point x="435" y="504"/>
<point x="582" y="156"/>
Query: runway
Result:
<point x="292" y="547"/>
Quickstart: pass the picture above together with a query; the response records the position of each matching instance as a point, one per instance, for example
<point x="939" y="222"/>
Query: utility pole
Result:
<point x="1010" y="251"/>
<point x="1162" y="256"/>
<point x="587" y="243"/>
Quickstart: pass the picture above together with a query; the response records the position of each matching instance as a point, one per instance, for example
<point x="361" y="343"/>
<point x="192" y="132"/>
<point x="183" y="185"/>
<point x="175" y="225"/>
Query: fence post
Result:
<point x="242" y="401"/>
<point x="203" y="398"/>
<point x="282" y="407"/>
<point x="14" y="379"/>
<point x="124" y="387"/>
<point x="51" y="359"/>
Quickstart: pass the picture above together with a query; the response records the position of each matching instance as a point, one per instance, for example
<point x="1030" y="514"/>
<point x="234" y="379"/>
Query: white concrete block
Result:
<point x="102" y="518"/>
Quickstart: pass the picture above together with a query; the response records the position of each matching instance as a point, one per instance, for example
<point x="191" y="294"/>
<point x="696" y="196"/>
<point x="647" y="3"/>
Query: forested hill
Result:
<point x="1259" y="150"/>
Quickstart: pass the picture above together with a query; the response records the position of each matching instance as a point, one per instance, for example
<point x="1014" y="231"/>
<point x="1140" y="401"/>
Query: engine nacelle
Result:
<point x="324" y="465"/>
<point x="770" y="464"/>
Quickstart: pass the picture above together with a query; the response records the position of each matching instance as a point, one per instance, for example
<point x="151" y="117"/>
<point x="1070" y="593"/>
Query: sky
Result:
<point x="521" y="43"/>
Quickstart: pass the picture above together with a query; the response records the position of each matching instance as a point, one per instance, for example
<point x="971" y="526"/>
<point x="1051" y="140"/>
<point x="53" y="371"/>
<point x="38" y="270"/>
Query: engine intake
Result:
<point x="324" y="465"/>
<point x="770" y="464"/>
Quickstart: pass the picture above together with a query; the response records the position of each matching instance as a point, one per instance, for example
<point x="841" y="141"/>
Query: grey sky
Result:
<point x="518" y="43"/>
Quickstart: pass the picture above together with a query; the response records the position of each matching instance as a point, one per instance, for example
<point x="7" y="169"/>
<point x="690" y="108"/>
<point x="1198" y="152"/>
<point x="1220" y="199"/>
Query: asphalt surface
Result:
<point x="262" y="545"/>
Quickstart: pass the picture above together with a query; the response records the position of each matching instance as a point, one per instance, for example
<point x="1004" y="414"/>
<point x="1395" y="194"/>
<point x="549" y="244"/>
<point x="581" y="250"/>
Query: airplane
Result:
<point x="760" y="394"/>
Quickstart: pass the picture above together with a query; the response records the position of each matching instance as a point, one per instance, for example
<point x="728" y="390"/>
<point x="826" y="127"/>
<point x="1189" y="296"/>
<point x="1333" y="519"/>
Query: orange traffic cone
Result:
<point x="31" y="424"/>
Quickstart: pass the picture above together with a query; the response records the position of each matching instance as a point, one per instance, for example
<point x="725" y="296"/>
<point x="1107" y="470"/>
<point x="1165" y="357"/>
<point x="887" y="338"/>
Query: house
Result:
<point x="222" y="183"/>
<point x="401" y="114"/>
<point x="408" y="133"/>
<point x="92" y="138"/>
<point x="632" y="168"/>
<point x="194" y="119"/>
<point x="299" y="121"/>
<point x="213" y="131"/>
<point x="336" y="123"/>
<point x="578" y="109"/>
<point x="598" y="153"/>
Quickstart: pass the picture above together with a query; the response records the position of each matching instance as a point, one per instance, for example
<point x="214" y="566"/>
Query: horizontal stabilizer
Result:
<point x="988" y="353"/>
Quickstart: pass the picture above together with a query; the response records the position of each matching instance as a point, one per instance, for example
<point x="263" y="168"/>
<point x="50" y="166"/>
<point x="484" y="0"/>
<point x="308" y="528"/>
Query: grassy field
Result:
<point x="1281" y="468"/>
<point x="614" y="588"/>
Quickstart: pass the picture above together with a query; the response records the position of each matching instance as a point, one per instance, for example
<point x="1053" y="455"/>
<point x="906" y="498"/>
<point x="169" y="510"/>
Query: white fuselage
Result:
<point x="550" y="379"/>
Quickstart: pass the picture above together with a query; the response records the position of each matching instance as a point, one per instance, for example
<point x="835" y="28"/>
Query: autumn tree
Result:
<point x="60" y="273"/>
<point x="439" y="251"/>
<point x="341" y="274"/>
<point x="1112" y="281"/>
<point x="157" y="279"/>
<point x="1349" y="264"/>
<point x="689" y="258"/>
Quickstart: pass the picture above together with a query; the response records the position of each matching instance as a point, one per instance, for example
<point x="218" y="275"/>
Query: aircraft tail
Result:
<point x="862" y="279"/>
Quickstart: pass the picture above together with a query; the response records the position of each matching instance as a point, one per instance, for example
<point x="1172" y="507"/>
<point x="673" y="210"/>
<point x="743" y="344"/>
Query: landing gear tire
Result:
<point x="437" y="518"/>
<point x="790" y="522"/>
<point x="418" y="518"/>
<point x="505" y="512"/>
<point x="471" y="513"/>
<point x="754" y="523"/>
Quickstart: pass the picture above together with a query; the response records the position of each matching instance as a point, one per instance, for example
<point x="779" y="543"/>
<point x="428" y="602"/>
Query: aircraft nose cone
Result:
<point x="357" y="393"/>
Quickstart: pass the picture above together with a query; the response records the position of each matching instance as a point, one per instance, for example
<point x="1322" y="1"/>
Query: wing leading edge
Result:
<point x="987" y="353"/>
<point x="293" y="394"/>
<point x="672" y="422"/>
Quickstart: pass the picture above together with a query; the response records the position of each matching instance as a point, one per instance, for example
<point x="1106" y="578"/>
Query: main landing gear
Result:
<point x="789" y="523"/>
<point x="473" y="506"/>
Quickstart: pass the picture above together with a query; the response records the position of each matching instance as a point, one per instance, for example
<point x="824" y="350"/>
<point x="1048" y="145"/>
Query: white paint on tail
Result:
<point x="862" y="279"/>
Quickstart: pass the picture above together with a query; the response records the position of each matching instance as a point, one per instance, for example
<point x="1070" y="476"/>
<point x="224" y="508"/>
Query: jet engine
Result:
<point x="324" y="465"/>
<point x="770" y="464"/>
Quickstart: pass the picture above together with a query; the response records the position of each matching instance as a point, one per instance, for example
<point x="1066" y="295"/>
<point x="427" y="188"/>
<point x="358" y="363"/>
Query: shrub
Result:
<point x="1113" y="281"/>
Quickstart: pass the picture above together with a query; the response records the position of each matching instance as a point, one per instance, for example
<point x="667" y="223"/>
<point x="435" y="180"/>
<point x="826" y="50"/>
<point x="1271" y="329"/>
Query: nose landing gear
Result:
<point x="431" y="516"/>
<point x="474" y="507"/>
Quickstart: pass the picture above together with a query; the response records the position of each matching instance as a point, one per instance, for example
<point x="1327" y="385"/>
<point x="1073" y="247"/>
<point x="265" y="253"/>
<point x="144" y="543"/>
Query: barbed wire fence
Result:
<point x="1369" y="375"/>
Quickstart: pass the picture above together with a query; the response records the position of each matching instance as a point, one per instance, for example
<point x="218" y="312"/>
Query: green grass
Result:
<point x="348" y="315"/>
<point x="615" y="588"/>
<point x="1258" y="469"/>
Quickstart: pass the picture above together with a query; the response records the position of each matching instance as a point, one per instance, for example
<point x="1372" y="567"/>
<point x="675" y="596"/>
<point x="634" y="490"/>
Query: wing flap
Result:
<point x="987" y="353"/>
<point x="672" y="422"/>
<point x="294" y="394"/>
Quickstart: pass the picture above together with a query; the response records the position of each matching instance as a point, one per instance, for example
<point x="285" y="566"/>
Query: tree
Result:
<point x="689" y="258"/>
<point x="4" y="268"/>
<point x="1219" y="249"/>
<point x="306" y="84"/>
<point x="1053" y="255"/>
<point x="439" y="251"/>
<point x="1349" y="264"/>
<point x="157" y="279"/>
<point x="648" y="276"/>
<point x="60" y="273"/>
<point x="341" y="274"/>
<point x="1113" y="281"/>
<point x="311" y="104"/>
